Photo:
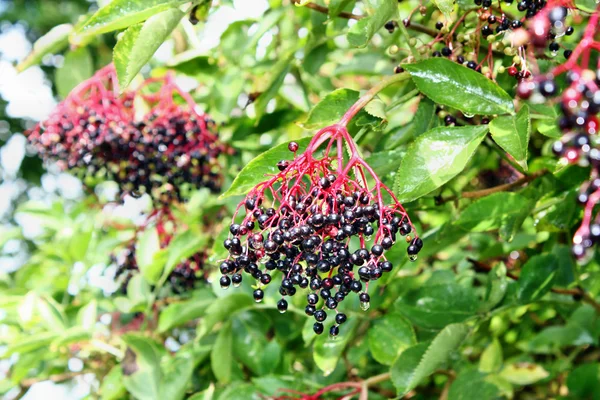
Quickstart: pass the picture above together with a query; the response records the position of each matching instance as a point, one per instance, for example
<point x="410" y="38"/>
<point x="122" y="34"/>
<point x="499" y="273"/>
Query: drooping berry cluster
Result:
<point x="185" y="276"/>
<point x="94" y="132"/>
<point x="323" y="224"/>
<point x="580" y="105"/>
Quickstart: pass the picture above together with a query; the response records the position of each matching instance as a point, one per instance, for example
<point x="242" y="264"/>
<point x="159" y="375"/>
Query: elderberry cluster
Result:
<point x="95" y="134"/>
<point x="310" y="240"/>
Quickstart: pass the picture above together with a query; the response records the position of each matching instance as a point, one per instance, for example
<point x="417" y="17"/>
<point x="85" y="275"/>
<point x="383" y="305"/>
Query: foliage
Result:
<point x="495" y="306"/>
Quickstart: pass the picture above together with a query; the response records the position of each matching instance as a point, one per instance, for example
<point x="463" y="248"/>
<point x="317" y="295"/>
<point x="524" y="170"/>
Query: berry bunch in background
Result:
<point x="185" y="276"/>
<point x="579" y="103"/>
<point x="490" y="37"/>
<point x="323" y="225"/>
<point x="94" y="133"/>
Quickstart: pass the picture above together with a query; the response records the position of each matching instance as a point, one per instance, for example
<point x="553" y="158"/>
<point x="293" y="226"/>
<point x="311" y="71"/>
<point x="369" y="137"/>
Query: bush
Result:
<point x="341" y="199"/>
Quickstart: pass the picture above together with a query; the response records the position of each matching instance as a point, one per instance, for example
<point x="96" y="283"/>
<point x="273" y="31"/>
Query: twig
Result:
<point x="500" y="188"/>
<point x="577" y="293"/>
<point x="325" y="10"/>
<point x="58" y="378"/>
<point x="322" y="9"/>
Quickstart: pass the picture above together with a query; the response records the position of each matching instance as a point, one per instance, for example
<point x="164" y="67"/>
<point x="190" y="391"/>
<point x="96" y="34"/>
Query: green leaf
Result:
<point x="425" y="118"/>
<point x="491" y="212"/>
<point x="52" y="314"/>
<point x="78" y="67"/>
<point x="141" y="367"/>
<point x="337" y="6"/>
<point x="112" y="387"/>
<point x="139" y="43"/>
<point x="280" y="70"/>
<point x="438" y="305"/>
<point x="446" y="7"/>
<point x="257" y="170"/>
<point x="220" y="310"/>
<point x="147" y="246"/>
<point x="491" y="358"/>
<point x="434" y="158"/>
<point x="327" y="351"/>
<point x="448" y="83"/>
<point x="376" y="108"/>
<point x="221" y="357"/>
<point x="250" y="329"/>
<point x="389" y="336"/>
<point x="121" y="14"/>
<point x="512" y="134"/>
<point x="30" y="343"/>
<point x="176" y="376"/>
<point x="587" y="5"/>
<point x="418" y="362"/>
<point x="179" y="313"/>
<point x="184" y="245"/>
<point x="471" y="384"/>
<point x="331" y="108"/>
<point x="52" y="42"/>
<point x="524" y="373"/>
<point x="496" y="287"/>
<point x="584" y="381"/>
<point x="380" y="12"/>
<point x="537" y="277"/>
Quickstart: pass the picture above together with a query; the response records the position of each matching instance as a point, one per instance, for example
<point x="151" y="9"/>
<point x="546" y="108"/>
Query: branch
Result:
<point x="58" y="378"/>
<point x="500" y="188"/>
<point x="413" y="26"/>
<point x="578" y="293"/>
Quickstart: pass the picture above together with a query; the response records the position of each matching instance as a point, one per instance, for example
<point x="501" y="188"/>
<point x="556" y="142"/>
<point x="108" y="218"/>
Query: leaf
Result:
<point x="584" y="381"/>
<point x="471" y="384"/>
<point x="337" y="6"/>
<point x="524" y="373"/>
<point x="184" y="245"/>
<point x="220" y="310"/>
<point x="376" y="108"/>
<point x="389" y="336"/>
<point x="537" y="277"/>
<point x="331" y="108"/>
<point x="141" y="367"/>
<point x="176" y="377"/>
<point x="491" y="212"/>
<point x="121" y="14"/>
<point x="112" y="387"/>
<point x="250" y="331"/>
<point x="434" y="158"/>
<point x="327" y="351"/>
<point x="512" y="134"/>
<point x="87" y="316"/>
<point x="438" y="305"/>
<point x="221" y="357"/>
<point x="418" y="362"/>
<point x="491" y="358"/>
<point x="179" y="313"/>
<point x="425" y="118"/>
<point x="147" y="246"/>
<point x="587" y="5"/>
<point x="445" y="6"/>
<point x="280" y="70"/>
<point x="382" y="11"/>
<point x="52" y="42"/>
<point x="258" y="170"/>
<point x="448" y="83"/>
<point x="496" y="287"/>
<point x="138" y="44"/>
<point x="78" y="67"/>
